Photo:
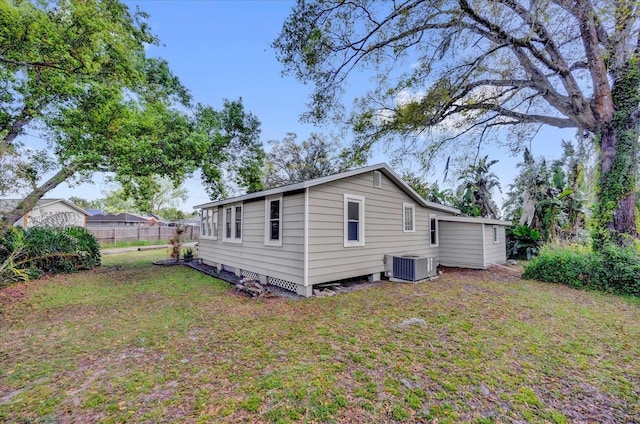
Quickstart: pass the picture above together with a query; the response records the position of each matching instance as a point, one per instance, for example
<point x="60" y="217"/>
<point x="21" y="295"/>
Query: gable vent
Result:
<point x="377" y="179"/>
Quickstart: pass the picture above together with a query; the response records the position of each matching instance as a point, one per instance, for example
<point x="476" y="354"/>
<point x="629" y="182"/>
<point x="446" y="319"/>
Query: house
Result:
<point x="48" y="212"/>
<point x="342" y="226"/>
<point x="123" y="219"/>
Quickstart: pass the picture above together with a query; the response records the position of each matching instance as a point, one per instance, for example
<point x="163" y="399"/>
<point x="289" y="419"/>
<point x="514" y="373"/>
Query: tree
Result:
<point x="234" y="152"/>
<point x="157" y="195"/>
<point x="486" y="66"/>
<point x="172" y="213"/>
<point x="153" y="195"/>
<point x="76" y="71"/>
<point x="475" y="192"/>
<point x="289" y="162"/>
<point x="83" y="203"/>
<point x="430" y="192"/>
<point x="550" y="198"/>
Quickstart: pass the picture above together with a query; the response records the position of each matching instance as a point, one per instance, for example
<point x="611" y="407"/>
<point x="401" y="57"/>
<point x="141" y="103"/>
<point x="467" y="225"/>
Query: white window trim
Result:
<point x="496" y="234"/>
<point x="203" y="222"/>
<point x="232" y="239"/>
<point x="214" y="223"/>
<point x="433" y="216"/>
<point x="267" y="222"/>
<point x="359" y="199"/>
<point x="211" y="215"/>
<point x="404" y="217"/>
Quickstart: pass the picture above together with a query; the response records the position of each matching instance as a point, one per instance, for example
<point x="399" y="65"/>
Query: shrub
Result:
<point x="561" y="264"/>
<point x="617" y="270"/>
<point x="87" y="246"/>
<point x="522" y="242"/>
<point x="10" y="242"/>
<point x="611" y="269"/>
<point x="27" y="254"/>
<point x="176" y="242"/>
<point x="11" y="251"/>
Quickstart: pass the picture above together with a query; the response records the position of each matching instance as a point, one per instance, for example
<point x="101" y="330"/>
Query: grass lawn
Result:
<point x="132" y="342"/>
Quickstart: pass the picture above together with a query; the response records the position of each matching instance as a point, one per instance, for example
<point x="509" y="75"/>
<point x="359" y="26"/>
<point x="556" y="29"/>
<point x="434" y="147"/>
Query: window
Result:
<point x="227" y="223"/>
<point x="233" y="224"/>
<point x="209" y="223"/>
<point x="238" y="219"/>
<point x="433" y="230"/>
<point x="377" y="179"/>
<point x="495" y="234"/>
<point x="204" y="218"/>
<point x="353" y="220"/>
<point x="408" y="218"/>
<point x="273" y="222"/>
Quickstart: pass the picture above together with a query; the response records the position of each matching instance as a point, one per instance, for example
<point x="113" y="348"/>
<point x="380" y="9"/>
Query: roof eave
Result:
<point x="383" y="167"/>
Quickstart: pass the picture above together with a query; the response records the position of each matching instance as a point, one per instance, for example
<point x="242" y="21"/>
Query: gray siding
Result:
<point x="284" y="262"/>
<point x="495" y="253"/>
<point x="330" y="260"/>
<point x="461" y="244"/>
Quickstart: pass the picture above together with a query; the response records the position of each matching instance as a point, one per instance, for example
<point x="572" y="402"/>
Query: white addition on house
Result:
<point x="364" y="222"/>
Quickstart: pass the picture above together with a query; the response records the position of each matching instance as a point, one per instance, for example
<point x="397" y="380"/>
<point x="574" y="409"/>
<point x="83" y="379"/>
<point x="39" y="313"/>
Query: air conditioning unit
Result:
<point x="410" y="267"/>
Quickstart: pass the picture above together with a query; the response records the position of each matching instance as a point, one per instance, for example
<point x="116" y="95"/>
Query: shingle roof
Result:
<point x="382" y="167"/>
<point x="121" y="217"/>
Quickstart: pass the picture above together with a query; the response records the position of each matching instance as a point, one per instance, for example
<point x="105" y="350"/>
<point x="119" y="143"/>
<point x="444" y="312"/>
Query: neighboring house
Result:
<point x="120" y="220"/>
<point x="125" y="219"/>
<point x="48" y="212"/>
<point x="342" y="226"/>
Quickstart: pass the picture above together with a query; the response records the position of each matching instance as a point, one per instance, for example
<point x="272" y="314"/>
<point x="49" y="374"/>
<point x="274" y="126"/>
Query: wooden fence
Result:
<point x="106" y="235"/>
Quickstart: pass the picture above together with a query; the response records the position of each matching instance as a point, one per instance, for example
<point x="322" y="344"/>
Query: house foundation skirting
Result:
<point x="278" y="282"/>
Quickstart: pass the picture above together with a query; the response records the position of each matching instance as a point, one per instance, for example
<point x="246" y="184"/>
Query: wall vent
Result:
<point x="409" y="267"/>
<point x="377" y="179"/>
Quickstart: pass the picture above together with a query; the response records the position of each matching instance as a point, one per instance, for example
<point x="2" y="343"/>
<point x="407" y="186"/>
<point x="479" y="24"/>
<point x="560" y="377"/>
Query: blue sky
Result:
<point x="221" y="49"/>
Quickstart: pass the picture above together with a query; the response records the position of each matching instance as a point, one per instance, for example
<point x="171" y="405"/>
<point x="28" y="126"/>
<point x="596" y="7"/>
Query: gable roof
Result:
<point x="10" y="204"/>
<point x="382" y="167"/>
<point x="120" y="217"/>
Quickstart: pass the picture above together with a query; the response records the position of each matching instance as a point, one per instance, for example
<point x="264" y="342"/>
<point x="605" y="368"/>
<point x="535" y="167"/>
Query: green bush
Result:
<point x="561" y="264"/>
<point x="612" y="269"/>
<point x="57" y="250"/>
<point x="522" y="242"/>
<point x="617" y="270"/>
<point x="87" y="246"/>
<point x="12" y="251"/>
<point x="27" y="254"/>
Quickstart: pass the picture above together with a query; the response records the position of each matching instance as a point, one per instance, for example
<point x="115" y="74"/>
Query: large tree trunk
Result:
<point x="618" y="140"/>
<point x="31" y="200"/>
<point x="15" y="128"/>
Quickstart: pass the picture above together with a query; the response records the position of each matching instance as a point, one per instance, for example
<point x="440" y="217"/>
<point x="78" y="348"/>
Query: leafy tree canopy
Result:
<point x="76" y="72"/>
<point x="289" y="162"/>
<point x="430" y="192"/>
<point x="461" y="68"/>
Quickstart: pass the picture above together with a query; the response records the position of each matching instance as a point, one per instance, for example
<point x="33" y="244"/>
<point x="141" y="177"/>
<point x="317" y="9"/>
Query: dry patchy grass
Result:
<point x="130" y="342"/>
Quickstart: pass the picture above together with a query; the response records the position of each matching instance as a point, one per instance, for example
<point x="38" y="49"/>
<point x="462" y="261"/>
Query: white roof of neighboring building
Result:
<point x="382" y="167"/>
<point x="9" y="204"/>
